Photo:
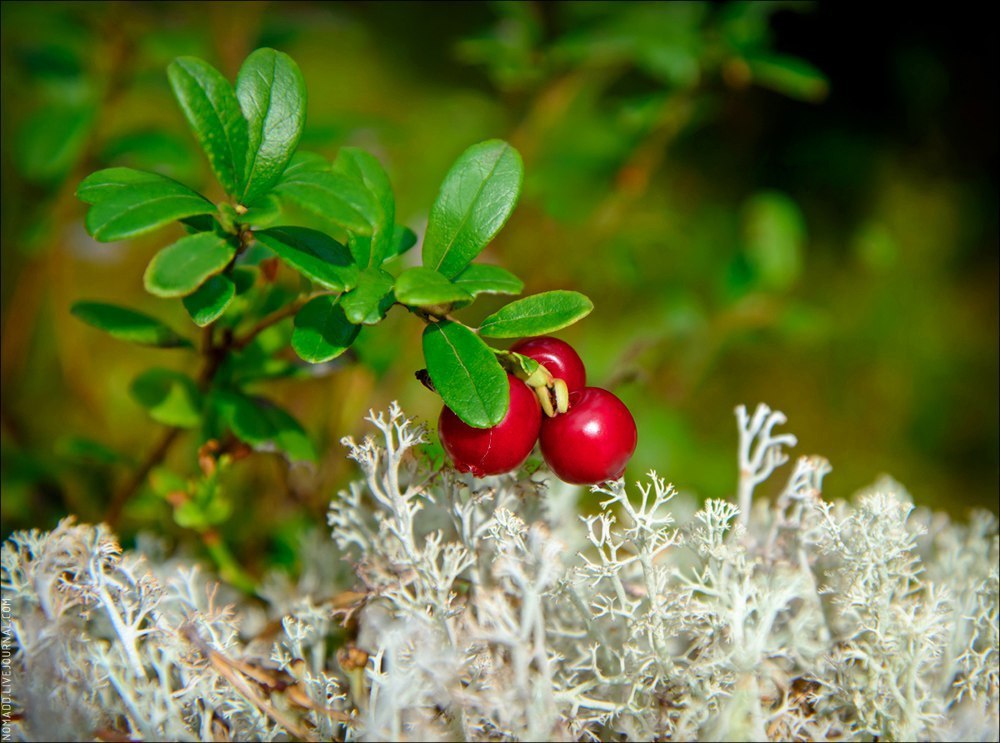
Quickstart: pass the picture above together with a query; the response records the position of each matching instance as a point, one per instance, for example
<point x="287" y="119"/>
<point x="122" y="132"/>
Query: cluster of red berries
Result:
<point x="586" y="437"/>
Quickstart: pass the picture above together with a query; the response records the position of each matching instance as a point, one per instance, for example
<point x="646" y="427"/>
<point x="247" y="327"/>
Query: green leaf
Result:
<point x="790" y="76"/>
<point x="264" y="213"/>
<point x="517" y="363"/>
<point x="165" y="482"/>
<point x="211" y="108"/>
<point x="466" y="374"/>
<point x="476" y="198"/>
<point x="424" y="287"/>
<point x="322" y="331"/>
<point x="127" y="202"/>
<point x="368" y="302"/>
<point x="366" y="170"/>
<point x="210" y="300"/>
<point x="536" y="315"/>
<point x="208" y="504"/>
<point x="88" y="451"/>
<point x="303" y="161"/>
<point x="774" y="233"/>
<point x="483" y="278"/>
<point x="314" y="254"/>
<point x="203" y="223"/>
<point x="342" y="200"/>
<point x="263" y="425"/>
<point x="152" y="149"/>
<point x="272" y="94"/>
<point x="50" y="142"/>
<point x="128" y="325"/>
<point x="170" y="398"/>
<point x="179" y="269"/>
<point x="244" y="277"/>
<point x="403" y="238"/>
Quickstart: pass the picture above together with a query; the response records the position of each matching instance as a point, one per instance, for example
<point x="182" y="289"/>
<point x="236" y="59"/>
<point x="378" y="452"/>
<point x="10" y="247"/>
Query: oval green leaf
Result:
<point x="170" y="398"/>
<point x="332" y="196"/>
<point x="265" y="212"/>
<point x="51" y="140"/>
<point x="314" y="254"/>
<point x="403" y="238"/>
<point x="263" y="425"/>
<point x="789" y="76"/>
<point x="210" y="300"/>
<point x="537" y="315"/>
<point x="303" y="161"/>
<point x="322" y="331"/>
<point x="466" y="374"/>
<point x="83" y="450"/>
<point x="128" y="325"/>
<point x="368" y="302"/>
<point x="179" y="269"/>
<point x="366" y="170"/>
<point x="483" y="278"/>
<point x="774" y="234"/>
<point x="518" y="364"/>
<point x="272" y="94"/>
<point x="424" y="287"/>
<point x="127" y="202"/>
<point x="211" y="108"/>
<point x="476" y="198"/>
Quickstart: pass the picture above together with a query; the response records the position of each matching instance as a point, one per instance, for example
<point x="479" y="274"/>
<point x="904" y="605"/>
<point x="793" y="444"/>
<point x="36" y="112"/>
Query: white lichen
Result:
<point x="487" y="610"/>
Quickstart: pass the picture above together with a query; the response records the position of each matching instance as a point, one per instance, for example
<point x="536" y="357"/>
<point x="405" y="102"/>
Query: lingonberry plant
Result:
<point x="225" y="272"/>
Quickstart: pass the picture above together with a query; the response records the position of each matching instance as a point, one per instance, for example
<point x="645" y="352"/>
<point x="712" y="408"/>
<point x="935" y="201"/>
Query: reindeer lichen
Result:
<point x="487" y="610"/>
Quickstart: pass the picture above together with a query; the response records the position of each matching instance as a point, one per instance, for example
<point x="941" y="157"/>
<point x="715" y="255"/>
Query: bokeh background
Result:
<point x="767" y="202"/>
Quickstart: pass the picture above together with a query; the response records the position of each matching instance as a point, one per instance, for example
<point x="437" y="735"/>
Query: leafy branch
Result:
<point x="226" y="272"/>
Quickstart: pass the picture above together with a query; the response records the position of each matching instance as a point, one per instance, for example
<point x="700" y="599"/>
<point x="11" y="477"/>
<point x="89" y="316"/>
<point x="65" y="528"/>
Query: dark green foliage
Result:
<point x="224" y="269"/>
<point x="466" y="373"/>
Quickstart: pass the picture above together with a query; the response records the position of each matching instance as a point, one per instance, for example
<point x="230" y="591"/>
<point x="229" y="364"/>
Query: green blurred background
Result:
<point x="767" y="202"/>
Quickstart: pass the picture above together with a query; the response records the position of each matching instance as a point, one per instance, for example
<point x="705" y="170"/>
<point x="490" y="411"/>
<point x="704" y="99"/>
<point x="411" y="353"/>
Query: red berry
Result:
<point x="592" y="441"/>
<point x="502" y="448"/>
<point x="558" y="357"/>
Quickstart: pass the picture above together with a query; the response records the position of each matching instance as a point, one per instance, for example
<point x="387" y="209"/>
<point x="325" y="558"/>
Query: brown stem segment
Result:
<point x="275" y="317"/>
<point x="132" y="485"/>
<point x="214" y="354"/>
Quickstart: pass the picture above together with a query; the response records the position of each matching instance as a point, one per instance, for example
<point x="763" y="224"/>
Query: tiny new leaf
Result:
<point x="170" y="398"/>
<point x="466" y="374"/>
